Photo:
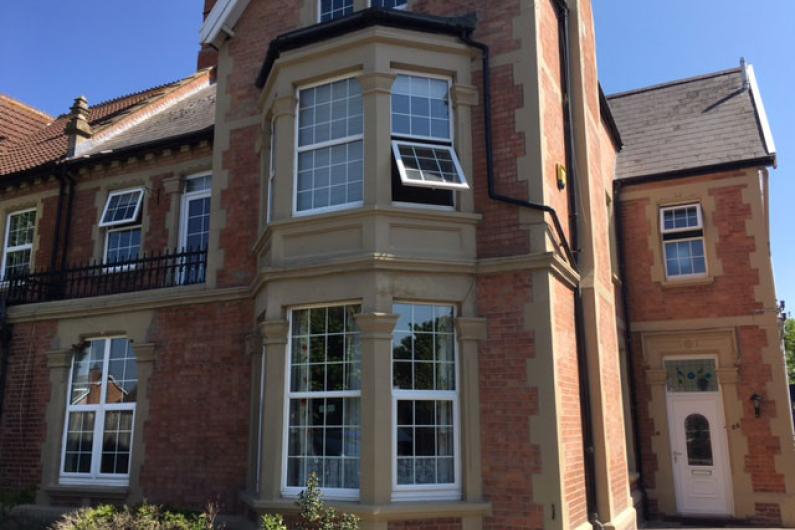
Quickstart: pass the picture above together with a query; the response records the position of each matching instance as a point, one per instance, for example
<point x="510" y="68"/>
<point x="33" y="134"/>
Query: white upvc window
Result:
<point x="195" y="222"/>
<point x="121" y="218"/>
<point x="682" y="229"/>
<point x="390" y="4"/>
<point x="425" y="404"/>
<point x="271" y="172"/>
<point x="330" y="158"/>
<point x="427" y="168"/>
<point x="122" y="207"/>
<point x="100" y="414"/>
<point x="332" y="9"/>
<point x="18" y="244"/>
<point x="322" y="409"/>
<point x="122" y="245"/>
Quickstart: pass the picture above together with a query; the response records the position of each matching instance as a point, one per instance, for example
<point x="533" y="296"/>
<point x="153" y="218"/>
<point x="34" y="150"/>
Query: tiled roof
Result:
<point x="49" y="144"/>
<point x="192" y="114"/>
<point x="18" y="120"/>
<point x="689" y="124"/>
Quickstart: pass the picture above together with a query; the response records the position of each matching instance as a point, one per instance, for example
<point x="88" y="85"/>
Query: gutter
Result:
<point x="373" y="16"/>
<point x="767" y="160"/>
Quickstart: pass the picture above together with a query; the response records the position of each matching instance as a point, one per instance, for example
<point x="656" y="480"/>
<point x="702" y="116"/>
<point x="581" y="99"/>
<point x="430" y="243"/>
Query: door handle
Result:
<point x="676" y="454"/>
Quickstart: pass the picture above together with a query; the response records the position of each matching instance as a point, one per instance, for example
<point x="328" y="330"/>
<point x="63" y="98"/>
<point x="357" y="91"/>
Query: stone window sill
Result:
<point x="688" y="282"/>
<point x="380" y="512"/>
<point x="87" y="491"/>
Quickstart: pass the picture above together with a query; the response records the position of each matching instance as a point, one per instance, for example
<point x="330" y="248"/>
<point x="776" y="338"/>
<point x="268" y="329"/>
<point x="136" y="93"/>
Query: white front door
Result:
<point x="700" y="454"/>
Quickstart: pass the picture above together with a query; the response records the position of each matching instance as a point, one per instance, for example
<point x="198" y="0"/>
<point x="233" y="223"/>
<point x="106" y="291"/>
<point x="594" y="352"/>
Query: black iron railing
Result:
<point x="153" y="271"/>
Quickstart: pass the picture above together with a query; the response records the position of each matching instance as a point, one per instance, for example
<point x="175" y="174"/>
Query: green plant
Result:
<point x="789" y="348"/>
<point x="9" y="499"/>
<point x="144" y="517"/>
<point x="313" y="513"/>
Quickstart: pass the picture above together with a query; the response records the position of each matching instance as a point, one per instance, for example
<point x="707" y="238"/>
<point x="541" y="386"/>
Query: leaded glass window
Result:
<point x="691" y="375"/>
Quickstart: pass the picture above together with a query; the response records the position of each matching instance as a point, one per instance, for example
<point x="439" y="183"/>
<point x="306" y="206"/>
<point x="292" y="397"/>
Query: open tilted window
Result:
<point x="122" y="207"/>
<point x="432" y="166"/>
<point x="426" y="168"/>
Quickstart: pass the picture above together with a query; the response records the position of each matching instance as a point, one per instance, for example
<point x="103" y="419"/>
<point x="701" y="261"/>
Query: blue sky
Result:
<point x="644" y="42"/>
<point x="54" y="50"/>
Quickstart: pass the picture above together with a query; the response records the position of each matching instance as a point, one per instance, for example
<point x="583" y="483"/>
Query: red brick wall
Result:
<point x="196" y="435"/>
<point x="570" y="417"/>
<point x="22" y="426"/>
<point x="731" y="294"/>
<point x="508" y="400"/>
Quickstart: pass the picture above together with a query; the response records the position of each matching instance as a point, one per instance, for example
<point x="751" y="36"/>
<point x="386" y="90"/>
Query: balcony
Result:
<point x="154" y="271"/>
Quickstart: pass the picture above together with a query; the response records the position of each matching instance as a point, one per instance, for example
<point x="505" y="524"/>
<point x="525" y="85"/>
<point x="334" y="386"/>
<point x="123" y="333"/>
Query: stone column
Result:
<point x="376" y="102"/>
<point x="376" y="441"/>
<point x="274" y="340"/>
<point x="283" y="115"/>
<point x="464" y="97"/>
<point x="470" y="331"/>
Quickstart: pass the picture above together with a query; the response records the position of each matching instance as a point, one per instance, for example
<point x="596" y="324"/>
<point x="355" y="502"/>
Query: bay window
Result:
<point x="18" y="245"/>
<point x="683" y="241"/>
<point x="323" y="401"/>
<point x="425" y="403"/>
<point x="330" y="147"/>
<point x="100" y="411"/>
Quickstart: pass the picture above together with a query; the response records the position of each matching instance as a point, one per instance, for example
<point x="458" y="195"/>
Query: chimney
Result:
<point x="208" y="56"/>
<point x="78" y="129"/>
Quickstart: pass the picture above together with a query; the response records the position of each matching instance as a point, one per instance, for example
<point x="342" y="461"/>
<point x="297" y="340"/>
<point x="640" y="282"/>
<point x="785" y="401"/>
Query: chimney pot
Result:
<point x="78" y="128"/>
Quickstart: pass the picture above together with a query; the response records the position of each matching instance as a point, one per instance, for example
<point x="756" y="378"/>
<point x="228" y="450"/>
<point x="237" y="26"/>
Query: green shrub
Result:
<point x="313" y="514"/>
<point x="9" y="499"/>
<point x="144" y="517"/>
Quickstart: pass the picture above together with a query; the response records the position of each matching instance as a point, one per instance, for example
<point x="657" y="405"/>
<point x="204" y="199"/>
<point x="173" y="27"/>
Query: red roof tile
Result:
<point x="50" y="143"/>
<point x="18" y="120"/>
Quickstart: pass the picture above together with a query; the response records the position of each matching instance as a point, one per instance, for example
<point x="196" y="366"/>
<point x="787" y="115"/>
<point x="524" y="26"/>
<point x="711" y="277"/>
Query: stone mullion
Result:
<point x="376" y="407"/>
<point x="274" y="339"/>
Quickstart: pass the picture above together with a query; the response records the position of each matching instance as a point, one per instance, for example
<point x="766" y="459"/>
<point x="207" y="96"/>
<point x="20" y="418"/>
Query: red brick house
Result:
<point x="410" y="247"/>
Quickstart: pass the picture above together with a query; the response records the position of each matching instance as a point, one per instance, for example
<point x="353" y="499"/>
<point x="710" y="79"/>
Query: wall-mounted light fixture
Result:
<point x="756" y="399"/>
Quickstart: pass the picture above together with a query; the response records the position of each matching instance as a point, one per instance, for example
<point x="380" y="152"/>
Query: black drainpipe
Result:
<point x="57" y="240"/>
<point x="570" y="250"/>
<point x="633" y="385"/>
<point x="5" y="352"/>
<point x="68" y="223"/>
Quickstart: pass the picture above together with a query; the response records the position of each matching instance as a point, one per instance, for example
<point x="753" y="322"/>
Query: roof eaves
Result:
<point x="673" y="83"/>
<point x="763" y="161"/>
<point x="607" y="116"/>
<point x="761" y="115"/>
<point x="373" y="16"/>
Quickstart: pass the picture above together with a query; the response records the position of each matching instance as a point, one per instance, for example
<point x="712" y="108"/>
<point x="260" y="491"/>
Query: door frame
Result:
<point x="720" y="444"/>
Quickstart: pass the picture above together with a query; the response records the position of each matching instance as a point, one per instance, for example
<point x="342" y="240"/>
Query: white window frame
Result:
<point x="330" y="143"/>
<point x="665" y="209"/>
<point x="462" y="183"/>
<point x="702" y="238"/>
<point x="425" y="139"/>
<point x="272" y="173"/>
<point x="18" y="248"/>
<point x="188" y="196"/>
<point x="428" y="141"/>
<point x="95" y="477"/>
<point x="403" y="7"/>
<point x="112" y="267"/>
<point x="342" y="494"/>
<point x="429" y="492"/>
<point x="319" y="17"/>
<point x="138" y="207"/>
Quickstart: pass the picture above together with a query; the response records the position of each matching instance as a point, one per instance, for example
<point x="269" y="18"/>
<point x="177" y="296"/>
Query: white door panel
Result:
<point x="700" y="453"/>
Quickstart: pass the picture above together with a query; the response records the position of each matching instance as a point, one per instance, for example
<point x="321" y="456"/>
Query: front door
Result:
<point x="699" y="447"/>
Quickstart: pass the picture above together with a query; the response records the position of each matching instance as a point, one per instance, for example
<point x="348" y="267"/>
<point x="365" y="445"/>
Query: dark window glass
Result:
<point x="699" y="440"/>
